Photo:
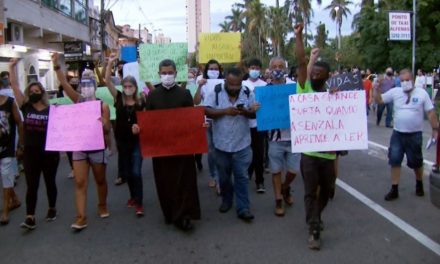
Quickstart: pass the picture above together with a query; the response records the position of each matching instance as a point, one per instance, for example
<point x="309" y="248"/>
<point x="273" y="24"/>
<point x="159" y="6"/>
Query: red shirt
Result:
<point x="367" y="86"/>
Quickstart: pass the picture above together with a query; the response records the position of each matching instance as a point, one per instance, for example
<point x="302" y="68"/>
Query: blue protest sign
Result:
<point x="274" y="106"/>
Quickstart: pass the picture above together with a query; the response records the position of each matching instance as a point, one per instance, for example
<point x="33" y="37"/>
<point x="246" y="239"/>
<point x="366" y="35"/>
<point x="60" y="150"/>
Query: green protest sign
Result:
<point x="60" y="101"/>
<point x="152" y="54"/>
<point x="192" y="88"/>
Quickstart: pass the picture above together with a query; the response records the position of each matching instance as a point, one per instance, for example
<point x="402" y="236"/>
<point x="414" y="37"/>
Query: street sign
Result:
<point x="399" y="25"/>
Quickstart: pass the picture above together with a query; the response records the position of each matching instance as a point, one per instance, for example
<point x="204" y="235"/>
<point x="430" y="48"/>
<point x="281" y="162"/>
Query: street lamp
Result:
<point x="337" y="27"/>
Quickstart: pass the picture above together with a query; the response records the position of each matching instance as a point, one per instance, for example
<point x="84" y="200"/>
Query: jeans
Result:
<point x="236" y="163"/>
<point x="389" y="117"/>
<point x="211" y="154"/>
<point x="130" y="167"/>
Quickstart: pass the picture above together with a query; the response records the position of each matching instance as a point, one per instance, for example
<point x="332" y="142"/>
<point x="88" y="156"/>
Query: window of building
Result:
<point x="65" y="6"/>
<point x="76" y="9"/>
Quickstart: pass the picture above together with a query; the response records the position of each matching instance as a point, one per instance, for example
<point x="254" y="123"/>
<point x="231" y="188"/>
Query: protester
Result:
<point x="385" y="83"/>
<point x="10" y="120"/>
<point x="410" y="103"/>
<point x="291" y="77"/>
<point x="368" y="85"/>
<point x="83" y="161"/>
<point x="175" y="176"/>
<point x="213" y="71"/>
<point x="258" y="138"/>
<point x="317" y="168"/>
<point x="127" y="103"/>
<point x="230" y="108"/>
<point x="421" y="80"/>
<point x="35" y="109"/>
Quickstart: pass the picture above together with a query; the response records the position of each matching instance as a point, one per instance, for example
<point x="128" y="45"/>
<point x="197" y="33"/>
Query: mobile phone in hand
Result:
<point x="240" y="106"/>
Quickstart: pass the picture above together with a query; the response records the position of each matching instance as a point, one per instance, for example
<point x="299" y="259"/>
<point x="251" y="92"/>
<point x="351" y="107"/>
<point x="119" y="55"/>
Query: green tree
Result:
<point x="236" y="23"/>
<point x="338" y="11"/>
<point x="321" y="36"/>
<point x="224" y="26"/>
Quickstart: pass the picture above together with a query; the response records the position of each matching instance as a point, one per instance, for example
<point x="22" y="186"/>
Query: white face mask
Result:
<point x="213" y="74"/>
<point x="407" y="86"/>
<point x="167" y="80"/>
<point x="129" y="91"/>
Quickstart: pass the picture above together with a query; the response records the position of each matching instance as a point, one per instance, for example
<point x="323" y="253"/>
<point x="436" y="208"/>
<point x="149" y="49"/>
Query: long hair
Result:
<point x="205" y="72"/>
<point x="27" y="92"/>
<point x="130" y="79"/>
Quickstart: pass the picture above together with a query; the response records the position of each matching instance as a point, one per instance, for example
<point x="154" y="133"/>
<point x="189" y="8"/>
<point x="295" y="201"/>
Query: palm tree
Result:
<point x="279" y="20"/>
<point x="225" y="26"/>
<point x="301" y="11"/>
<point x="256" y="21"/>
<point x="338" y="10"/>
<point x="236" y="20"/>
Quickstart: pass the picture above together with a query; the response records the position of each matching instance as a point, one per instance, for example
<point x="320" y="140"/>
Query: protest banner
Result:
<point x="104" y="94"/>
<point x="60" y="101"/>
<point x="132" y="69"/>
<point x="399" y="25"/>
<point x="346" y="82"/>
<point x="223" y="47"/>
<point x="177" y="131"/>
<point x="328" y="122"/>
<point x="129" y="53"/>
<point x="75" y="127"/>
<point x="274" y="106"/>
<point x="152" y="54"/>
<point x="192" y="89"/>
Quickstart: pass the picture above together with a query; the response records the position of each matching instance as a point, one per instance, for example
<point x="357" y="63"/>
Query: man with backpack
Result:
<point x="230" y="106"/>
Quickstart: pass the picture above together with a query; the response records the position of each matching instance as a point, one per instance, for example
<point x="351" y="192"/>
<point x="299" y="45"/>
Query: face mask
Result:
<point x="277" y="74"/>
<point x="406" y="86"/>
<point x="389" y="74"/>
<point x="232" y="92"/>
<point x="317" y="84"/>
<point x="254" y="74"/>
<point x="129" y="91"/>
<point x="167" y="80"/>
<point x="4" y="83"/>
<point x="35" y="97"/>
<point x="213" y="74"/>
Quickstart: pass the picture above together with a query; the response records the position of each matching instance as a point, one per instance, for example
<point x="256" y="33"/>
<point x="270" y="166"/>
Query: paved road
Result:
<point x="354" y="233"/>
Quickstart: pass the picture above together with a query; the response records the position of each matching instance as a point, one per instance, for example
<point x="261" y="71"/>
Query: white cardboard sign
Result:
<point x="328" y="122"/>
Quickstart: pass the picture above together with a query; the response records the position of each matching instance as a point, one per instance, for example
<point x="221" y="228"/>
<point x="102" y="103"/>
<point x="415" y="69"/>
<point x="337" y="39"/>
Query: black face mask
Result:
<point x="389" y="74"/>
<point x="35" y="97"/>
<point x="4" y="83"/>
<point x="317" y="84"/>
<point x="232" y="92"/>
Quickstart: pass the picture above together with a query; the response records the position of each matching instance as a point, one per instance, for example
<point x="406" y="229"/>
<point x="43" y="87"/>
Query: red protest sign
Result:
<point x="172" y="132"/>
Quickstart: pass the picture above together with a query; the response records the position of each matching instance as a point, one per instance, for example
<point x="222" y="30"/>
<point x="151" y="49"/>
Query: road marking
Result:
<point x="395" y="220"/>
<point x="385" y="148"/>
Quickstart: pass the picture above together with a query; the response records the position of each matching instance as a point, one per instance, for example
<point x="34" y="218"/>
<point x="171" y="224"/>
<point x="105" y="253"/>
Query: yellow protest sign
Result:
<point x="224" y="47"/>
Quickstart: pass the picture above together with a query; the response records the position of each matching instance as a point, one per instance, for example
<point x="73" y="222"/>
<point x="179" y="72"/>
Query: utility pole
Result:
<point x="102" y="31"/>
<point x="414" y="39"/>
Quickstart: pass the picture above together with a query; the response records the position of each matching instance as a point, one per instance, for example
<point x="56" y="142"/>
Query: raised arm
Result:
<point x="198" y="94"/>
<point x="108" y="79"/>
<point x="99" y="74"/>
<point x="68" y="89"/>
<point x="314" y="54"/>
<point x="19" y="96"/>
<point x="300" y="55"/>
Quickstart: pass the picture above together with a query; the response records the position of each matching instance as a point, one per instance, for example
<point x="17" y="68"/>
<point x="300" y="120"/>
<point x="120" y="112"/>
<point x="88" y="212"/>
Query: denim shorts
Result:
<point x="7" y="172"/>
<point x="281" y="157"/>
<point x="409" y="144"/>
<point x="93" y="157"/>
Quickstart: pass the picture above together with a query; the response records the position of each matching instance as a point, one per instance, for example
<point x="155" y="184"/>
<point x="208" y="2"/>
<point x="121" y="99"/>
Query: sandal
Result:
<point x="4" y="220"/>
<point x="14" y="205"/>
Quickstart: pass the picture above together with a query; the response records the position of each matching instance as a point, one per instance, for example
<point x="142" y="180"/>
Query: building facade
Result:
<point x="34" y="28"/>
<point x="198" y="20"/>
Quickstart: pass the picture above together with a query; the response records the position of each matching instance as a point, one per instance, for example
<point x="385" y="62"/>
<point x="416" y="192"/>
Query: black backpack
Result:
<point x="218" y="89"/>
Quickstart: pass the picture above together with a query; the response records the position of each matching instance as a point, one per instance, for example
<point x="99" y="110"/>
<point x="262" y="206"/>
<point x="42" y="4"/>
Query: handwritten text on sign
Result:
<point x="177" y="131"/>
<point x="327" y="122"/>
<point x="152" y="54"/>
<point x="274" y="107"/>
<point x="346" y="82"/>
<point x="224" y="47"/>
<point x="75" y="127"/>
<point x="399" y="25"/>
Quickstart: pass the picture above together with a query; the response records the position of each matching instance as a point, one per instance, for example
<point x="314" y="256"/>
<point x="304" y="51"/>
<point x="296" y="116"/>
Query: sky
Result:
<point x="169" y="16"/>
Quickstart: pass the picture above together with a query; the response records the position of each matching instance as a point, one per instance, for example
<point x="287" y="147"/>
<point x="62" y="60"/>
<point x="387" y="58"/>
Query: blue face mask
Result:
<point x="254" y="74"/>
<point x="277" y="74"/>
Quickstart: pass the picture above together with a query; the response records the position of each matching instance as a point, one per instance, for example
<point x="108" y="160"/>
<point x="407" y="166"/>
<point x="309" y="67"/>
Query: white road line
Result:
<point x="385" y="148"/>
<point x="395" y="220"/>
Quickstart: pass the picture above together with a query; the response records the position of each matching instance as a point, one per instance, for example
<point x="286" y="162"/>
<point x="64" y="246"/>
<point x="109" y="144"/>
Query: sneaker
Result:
<point x="260" y="188"/>
<point x="29" y="223"/>
<point x="246" y="216"/>
<point x="392" y="195"/>
<point x="419" y="190"/>
<point x="288" y="198"/>
<point x="51" y="214"/>
<point x="139" y="210"/>
<point x="80" y="223"/>
<point x="224" y="207"/>
<point x="103" y="211"/>
<point x="279" y="209"/>
<point x="314" y="241"/>
<point x="119" y="181"/>
<point x="70" y="175"/>
<point x="131" y="203"/>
